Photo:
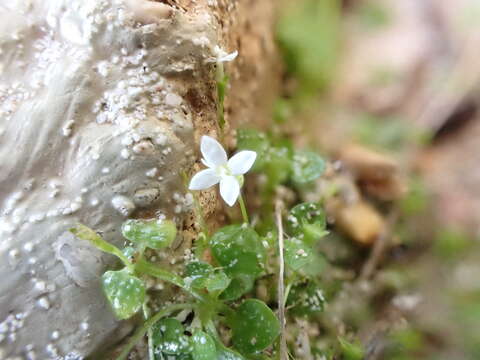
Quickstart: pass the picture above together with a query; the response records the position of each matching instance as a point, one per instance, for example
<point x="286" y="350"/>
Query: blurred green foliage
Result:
<point x="451" y="243"/>
<point x="351" y="350"/>
<point x="403" y="344"/>
<point x="308" y="33"/>
<point x="388" y="133"/>
<point x="373" y="15"/>
<point x="417" y="198"/>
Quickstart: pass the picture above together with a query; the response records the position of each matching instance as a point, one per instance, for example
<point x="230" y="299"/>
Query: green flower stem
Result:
<point x="288" y="287"/>
<point x="144" y="267"/>
<point x="287" y="292"/>
<point x="200" y="245"/>
<point x="141" y="331"/>
<point x="221" y="89"/>
<point x="243" y="209"/>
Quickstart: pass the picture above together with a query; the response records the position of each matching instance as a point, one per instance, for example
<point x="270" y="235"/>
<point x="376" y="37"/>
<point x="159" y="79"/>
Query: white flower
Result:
<point x="227" y="172"/>
<point x="222" y="56"/>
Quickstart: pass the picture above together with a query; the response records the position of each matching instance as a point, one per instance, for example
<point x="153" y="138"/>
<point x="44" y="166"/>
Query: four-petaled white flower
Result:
<point x="227" y="172"/>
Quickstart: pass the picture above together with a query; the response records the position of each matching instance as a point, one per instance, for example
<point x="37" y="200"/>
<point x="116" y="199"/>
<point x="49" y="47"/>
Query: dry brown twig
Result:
<point x="379" y="248"/>
<point x="281" y="284"/>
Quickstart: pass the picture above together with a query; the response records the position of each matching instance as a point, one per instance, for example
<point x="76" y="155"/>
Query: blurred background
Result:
<point x="389" y="90"/>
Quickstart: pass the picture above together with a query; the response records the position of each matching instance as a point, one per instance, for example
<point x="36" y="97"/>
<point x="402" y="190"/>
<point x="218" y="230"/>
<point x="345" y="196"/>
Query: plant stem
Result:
<point x="243" y="209"/>
<point x="281" y="285"/>
<point x="229" y="313"/>
<point x="144" y="267"/>
<point x="140" y="332"/>
<point x="146" y="314"/>
<point x="210" y="328"/>
<point x="221" y="89"/>
<point x="287" y="292"/>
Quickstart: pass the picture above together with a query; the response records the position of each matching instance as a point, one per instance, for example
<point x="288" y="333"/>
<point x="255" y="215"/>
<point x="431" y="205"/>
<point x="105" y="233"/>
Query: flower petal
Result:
<point x="228" y="57"/>
<point x="213" y="153"/>
<point x="241" y="162"/>
<point x="229" y="189"/>
<point x="204" y="179"/>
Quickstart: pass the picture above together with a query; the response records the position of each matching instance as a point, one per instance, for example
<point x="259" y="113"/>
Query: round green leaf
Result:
<point x="169" y="338"/>
<point x="126" y="293"/>
<point x="254" y="326"/>
<point x="224" y="353"/>
<point x="305" y="299"/>
<point x="217" y="282"/>
<point x="239" y="286"/>
<point x="129" y="252"/>
<point x="203" y="346"/>
<point x="197" y="273"/>
<point x="201" y="275"/>
<point x="297" y="254"/>
<point x="307" y="221"/>
<point x="307" y="166"/>
<point x="155" y="234"/>
<point x="239" y="250"/>
<point x="316" y="266"/>
<point x="279" y="164"/>
<point x="227" y="354"/>
<point x="158" y="355"/>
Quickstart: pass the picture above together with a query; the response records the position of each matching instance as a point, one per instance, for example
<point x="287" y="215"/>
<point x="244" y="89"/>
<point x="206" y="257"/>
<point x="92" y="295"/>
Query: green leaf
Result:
<point x="254" y="326"/>
<point x="279" y="165"/>
<point x="259" y="357"/>
<point x="126" y="293"/>
<point x="308" y="222"/>
<point x="315" y="267"/>
<point x="239" y="250"/>
<point x="85" y="233"/>
<point x="297" y="254"/>
<point x="306" y="299"/>
<point x="239" y="286"/>
<point x="155" y="234"/>
<point x="224" y="353"/>
<point x="169" y="338"/>
<point x="217" y="282"/>
<point x="201" y="275"/>
<point x="203" y="346"/>
<point x="249" y="139"/>
<point x="351" y="351"/>
<point x="197" y="273"/>
<point x="129" y="252"/>
<point x="307" y="167"/>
